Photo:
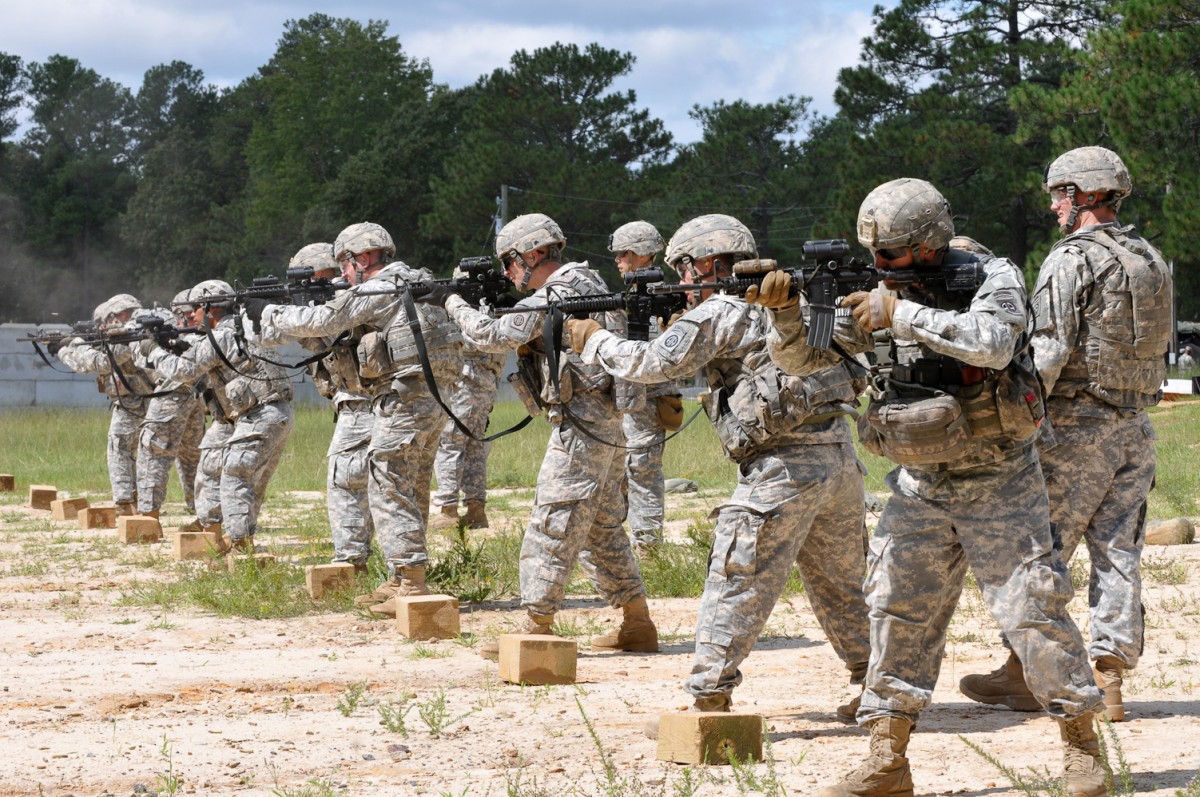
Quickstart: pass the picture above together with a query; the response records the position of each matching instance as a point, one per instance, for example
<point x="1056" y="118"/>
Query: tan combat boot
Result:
<point x="384" y="591"/>
<point x="637" y="632"/>
<point x="412" y="582"/>
<point x="126" y="508"/>
<point x="1082" y="766"/>
<point x="534" y="624"/>
<point x="1004" y="686"/>
<point x="721" y="702"/>
<point x="446" y="518"/>
<point x="193" y="526"/>
<point x="885" y="773"/>
<point x="1109" y="672"/>
<point x="217" y="530"/>
<point x="152" y="513"/>
<point x="476" y="517"/>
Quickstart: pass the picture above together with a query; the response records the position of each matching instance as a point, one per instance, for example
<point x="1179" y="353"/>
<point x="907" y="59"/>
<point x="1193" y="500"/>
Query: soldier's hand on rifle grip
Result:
<point x="674" y="317"/>
<point x="254" y="311"/>
<point x="873" y="310"/>
<point x="670" y="412"/>
<point x="581" y="330"/>
<point x="437" y="296"/>
<point x="53" y="346"/>
<point x="774" y="291"/>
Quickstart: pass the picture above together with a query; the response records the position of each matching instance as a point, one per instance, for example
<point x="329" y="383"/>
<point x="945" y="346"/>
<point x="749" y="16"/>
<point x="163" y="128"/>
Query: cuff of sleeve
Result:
<point x="591" y="351"/>
<point x="454" y="302"/>
<point x="902" y="318"/>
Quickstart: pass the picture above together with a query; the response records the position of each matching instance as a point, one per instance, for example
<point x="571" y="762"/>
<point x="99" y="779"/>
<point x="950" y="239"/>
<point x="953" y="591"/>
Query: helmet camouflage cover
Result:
<point x="208" y="288"/>
<point x="319" y="257"/>
<point x="362" y="237"/>
<point x="119" y="304"/>
<point x="905" y="212"/>
<point x="713" y="234"/>
<point x="639" y="237"/>
<point x="1091" y="170"/>
<point x="526" y="233"/>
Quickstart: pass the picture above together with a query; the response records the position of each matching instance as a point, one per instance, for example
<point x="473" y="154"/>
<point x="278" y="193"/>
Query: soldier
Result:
<point x="1102" y="364"/>
<point x="635" y="246"/>
<point x="336" y="378"/>
<point x="461" y="461"/>
<point x="799" y="497"/>
<point x="254" y="399"/>
<point x="407" y="418"/>
<point x="576" y="513"/>
<point x="126" y="386"/>
<point x="173" y="413"/>
<point x="958" y="412"/>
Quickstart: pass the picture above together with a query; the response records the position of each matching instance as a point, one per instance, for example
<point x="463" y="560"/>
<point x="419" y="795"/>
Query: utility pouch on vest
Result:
<point x="374" y="359"/>
<point x="526" y="382"/>
<point x="915" y="431"/>
<point x="1019" y="403"/>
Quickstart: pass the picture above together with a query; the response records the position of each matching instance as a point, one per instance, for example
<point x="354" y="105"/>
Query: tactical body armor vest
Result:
<point x="1126" y="327"/>
<point x="140" y="382"/>
<point x="255" y="381"/>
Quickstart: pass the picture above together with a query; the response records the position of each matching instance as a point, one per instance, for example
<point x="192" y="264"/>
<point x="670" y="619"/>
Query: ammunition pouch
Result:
<point x="526" y="382"/>
<point x="916" y="431"/>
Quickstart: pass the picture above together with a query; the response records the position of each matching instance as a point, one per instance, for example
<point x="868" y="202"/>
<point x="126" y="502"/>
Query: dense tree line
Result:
<point x="151" y="189"/>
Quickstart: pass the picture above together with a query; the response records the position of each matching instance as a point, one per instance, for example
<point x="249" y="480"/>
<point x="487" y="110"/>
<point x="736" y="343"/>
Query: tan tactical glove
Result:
<point x="774" y="291"/>
<point x="581" y="329"/>
<point x="670" y="412"/>
<point x="674" y="317"/>
<point x="872" y="310"/>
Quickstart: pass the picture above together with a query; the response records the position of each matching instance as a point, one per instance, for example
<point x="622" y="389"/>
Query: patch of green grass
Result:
<point x="1165" y="571"/>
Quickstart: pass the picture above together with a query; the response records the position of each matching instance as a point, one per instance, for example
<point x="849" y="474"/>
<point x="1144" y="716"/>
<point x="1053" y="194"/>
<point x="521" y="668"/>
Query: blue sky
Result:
<point x="688" y="51"/>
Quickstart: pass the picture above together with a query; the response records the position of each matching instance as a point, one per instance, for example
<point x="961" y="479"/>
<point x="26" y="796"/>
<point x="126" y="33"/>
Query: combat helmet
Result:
<point x="712" y="234"/>
<point x="905" y="212"/>
<point x="1092" y="170"/>
<point x="362" y="237"/>
<point x="319" y="257"/>
<point x="639" y="237"/>
<point x="526" y="233"/>
<point x="200" y="294"/>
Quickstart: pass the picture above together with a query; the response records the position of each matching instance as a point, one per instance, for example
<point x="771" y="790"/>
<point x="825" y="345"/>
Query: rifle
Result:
<point x="641" y="302"/>
<point x="481" y="281"/>
<point x="54" y="338"/>
<point x="835" y="275"/>
<point x="302" y="289"/>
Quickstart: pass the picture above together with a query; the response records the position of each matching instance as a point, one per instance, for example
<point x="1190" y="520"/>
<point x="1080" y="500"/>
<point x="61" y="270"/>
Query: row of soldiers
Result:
<point x="1018" y="427"/>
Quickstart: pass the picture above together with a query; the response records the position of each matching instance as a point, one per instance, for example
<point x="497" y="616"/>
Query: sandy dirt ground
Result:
<point x="97" y="698"/>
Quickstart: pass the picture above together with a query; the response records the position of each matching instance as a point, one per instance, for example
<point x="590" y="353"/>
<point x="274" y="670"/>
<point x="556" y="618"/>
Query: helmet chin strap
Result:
<point x="1069" y="224"/>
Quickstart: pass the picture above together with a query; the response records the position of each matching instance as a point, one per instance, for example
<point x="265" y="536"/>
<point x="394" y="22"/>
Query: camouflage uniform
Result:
<point x="461" y="462"/>
<point x="799" y="497"/>
<point x="257" y="398"/>
<point x="643" y="474"/>
<point x="128" y="410"/>
<point x="407" y="420"/>
<point x="1102" y="468"/>
<point x="187" y="458"/>
<point x="576" y="513"/>
<point x="985" y="508"/>
<point x="208" y="472"/>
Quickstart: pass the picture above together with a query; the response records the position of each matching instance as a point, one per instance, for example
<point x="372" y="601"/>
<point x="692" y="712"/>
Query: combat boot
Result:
<point x="636" y="634"/>
<point x="1109" y="672"/>
<point x="446" y="518"/>
<point x="1082" y="766"/>
<point x="722" y="702"/>
<point x="384" y="591"/>
<point x="216" y="529"/>
<point x="412" y="582"/>
<point x="126" y="508"/>
<point x="1004" y="686"/>
<point x="195" y="525"/>
<point x="534" y="624"/>
<point x="476" y="517"/>
<point x="152" y="513"/>
<point x="885" y="773"/>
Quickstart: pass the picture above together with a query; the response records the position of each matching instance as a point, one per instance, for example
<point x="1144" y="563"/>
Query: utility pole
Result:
<point x="502" y="212"/>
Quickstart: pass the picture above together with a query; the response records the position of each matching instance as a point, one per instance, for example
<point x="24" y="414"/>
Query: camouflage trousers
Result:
<point x="346" y="482"/>
<point x="643" y="473"/>
<point x="251" y="457"/>
<point x="577" y="514"/>
<point x="994" y="518"/>
<point x="400" y="466"/>
<point x="461" y="462"/>
<point x="208" y="473"/>
<point x="187" y="459"/>
<point x="169" y="419"/>
<point x="798" y="505"/>
<point x="1098" y="477"/>
<point x="126" y="419"/>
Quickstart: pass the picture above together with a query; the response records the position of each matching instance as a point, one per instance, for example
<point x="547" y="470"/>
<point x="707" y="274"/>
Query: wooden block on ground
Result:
<point x="133" y="529"/>
<point x="41" y="495"/>
<point x="328" y="578"/>
<point x="427" y="617"/>
<point x="67" y="508"/>
<point x="259" y="560"/>
<point x="7" y="482"/>
<point x="98" y="517"/>
<point x="709" y="737"/>
<point x="537" y="659"/>
<point x="188" y="545"/>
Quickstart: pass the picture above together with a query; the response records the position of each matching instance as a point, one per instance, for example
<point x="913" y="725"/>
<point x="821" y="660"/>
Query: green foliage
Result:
<point x="349" y="699"/>
<point x="467" y="573"/>
<point x="392" y="714"/>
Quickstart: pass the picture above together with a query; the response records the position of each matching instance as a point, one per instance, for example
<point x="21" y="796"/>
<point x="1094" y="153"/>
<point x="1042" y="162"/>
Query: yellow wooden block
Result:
<point x="537" y="659"/>
<point x="134" y="529"/>
<point x="98" y="517"/>
<point x="7" y="482"/>
<point x="328" y="578"/>
<point x="427" y="617"/>
<point x="67" y="508"/>
<point x="189" y="545"/>
<point x="709" y="737"/>
<point x="41" y="495"/>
